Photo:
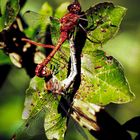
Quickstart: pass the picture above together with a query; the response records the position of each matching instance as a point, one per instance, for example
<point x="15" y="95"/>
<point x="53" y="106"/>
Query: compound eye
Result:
<point x="75" y="8"/>
<point x="70" y="7"/>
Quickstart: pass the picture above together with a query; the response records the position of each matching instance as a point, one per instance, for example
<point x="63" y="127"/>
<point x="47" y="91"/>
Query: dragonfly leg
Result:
<point x="38" y="44"/>
<point x="95" y="42"/>
<point x="98" y="42"/>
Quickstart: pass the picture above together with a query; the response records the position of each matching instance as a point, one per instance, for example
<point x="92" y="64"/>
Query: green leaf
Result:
<point x="9" y="10"/>
<point x="41" y="109"/>
<point x="104" y="20"/>
<point x="61" y="10"/>
<point x="59" y="64"/>
<point x="46" y="10"/>
<point x="103" y="80"/>
<point x="4" y="59"/>
<point x="55" y="124"/>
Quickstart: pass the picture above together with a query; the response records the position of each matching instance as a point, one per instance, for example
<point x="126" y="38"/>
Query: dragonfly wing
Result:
<point x="85" y="114"/>
<point x="59" y="62"/>
<point x="34" y="19"/>
<point x="37" y="25"/>
<point x="103" y="21"/>
<point x="55" y="30"/>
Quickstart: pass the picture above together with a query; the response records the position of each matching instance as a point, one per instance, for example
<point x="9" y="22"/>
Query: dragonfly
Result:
<point x="68" y="23"/>
<point x="95" y="17"/>
<point x="40" y="103"/>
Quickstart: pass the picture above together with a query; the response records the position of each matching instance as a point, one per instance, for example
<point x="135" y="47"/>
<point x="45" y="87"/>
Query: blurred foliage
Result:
<point x="125" y="47"/>
<point x="9" y="10"/>
<point x="4" y="59"/>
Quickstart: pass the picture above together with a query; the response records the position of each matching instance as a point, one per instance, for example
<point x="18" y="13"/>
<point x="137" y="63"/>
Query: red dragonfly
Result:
<point x="68" y="23"/>
<point x="94" y="16"/>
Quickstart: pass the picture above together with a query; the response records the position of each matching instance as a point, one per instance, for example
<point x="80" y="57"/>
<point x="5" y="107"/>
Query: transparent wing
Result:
<point x="34" y="19"/>
<point x="44" y="27"/>
<point x="37" y="25"/>
<point x="41" y="18"/>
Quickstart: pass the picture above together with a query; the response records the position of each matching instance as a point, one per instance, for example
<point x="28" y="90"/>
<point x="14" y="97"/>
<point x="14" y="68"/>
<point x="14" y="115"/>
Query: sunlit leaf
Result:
<point x="55" y="30"/>
<point x="103" y="80"/>
<point x="9" y="11"/>
<point x="55" y="124"/>
<point x="59" y="65"/>
<point x="46" y="9"/>
<point x="41" y="114"/>
<point x="61" y="10"/>
<point x="104" y="20"/>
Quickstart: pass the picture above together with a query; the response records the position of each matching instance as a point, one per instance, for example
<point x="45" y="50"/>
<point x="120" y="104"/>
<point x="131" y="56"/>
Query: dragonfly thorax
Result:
<point x="69" y="21"/>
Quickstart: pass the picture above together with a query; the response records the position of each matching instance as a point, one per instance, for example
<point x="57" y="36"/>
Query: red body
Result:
<point x="68" y="23"/>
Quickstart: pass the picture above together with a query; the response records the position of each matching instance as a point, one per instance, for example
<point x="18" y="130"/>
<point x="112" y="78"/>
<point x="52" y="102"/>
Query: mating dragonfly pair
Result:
<point x="93" y="17"/>
<point x="97" y="26"/>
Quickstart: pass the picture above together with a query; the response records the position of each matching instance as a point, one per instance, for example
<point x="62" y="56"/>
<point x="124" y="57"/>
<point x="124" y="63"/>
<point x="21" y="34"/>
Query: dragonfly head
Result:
<point x="75" y="7"/>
